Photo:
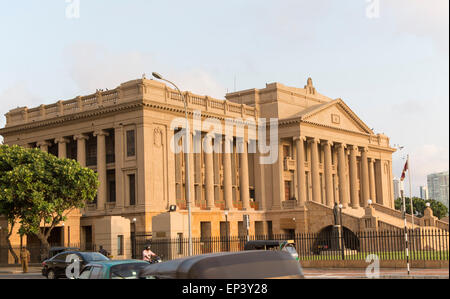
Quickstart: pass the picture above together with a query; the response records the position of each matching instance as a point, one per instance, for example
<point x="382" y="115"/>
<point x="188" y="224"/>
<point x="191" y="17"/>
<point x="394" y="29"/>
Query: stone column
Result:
<point x="62" y="147"/>
<point x="101" y="168"/>
<point x="301" y="175"/>
<point x="191" y="170"/>
<point x="243" y="175"/>
<point x="315" y="176"/>
<point x="209" y="173"/>
<point x="343" y="183"/>
<point x="373" y="195"/>
<point x="119" y="155"/>
<point x="43" y="145"/>
<point x="328" y="175"/>
<point x="353" y="177"/>
<point x="81" y="148"/>
<point x="365" y="176"/>
<point x="227" y="176"/>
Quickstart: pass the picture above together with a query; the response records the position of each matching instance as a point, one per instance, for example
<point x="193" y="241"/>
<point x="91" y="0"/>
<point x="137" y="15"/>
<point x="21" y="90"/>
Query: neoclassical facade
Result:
<point x="325" y="155"/>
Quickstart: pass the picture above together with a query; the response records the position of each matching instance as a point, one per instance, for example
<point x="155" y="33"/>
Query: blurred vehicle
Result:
<point x="124" y="269"/>
<point x="56" y="250"/>
<point x="228" y="265"/>
<point x="281" y="245"/>
<point x="321" y="245"/>
<point x="55" y="267"/>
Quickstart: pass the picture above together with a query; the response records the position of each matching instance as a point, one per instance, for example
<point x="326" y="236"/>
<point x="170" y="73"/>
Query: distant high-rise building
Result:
<point x="398" y="185"/>
<point x="424" y="192"/>
<point x="438" y="187"/>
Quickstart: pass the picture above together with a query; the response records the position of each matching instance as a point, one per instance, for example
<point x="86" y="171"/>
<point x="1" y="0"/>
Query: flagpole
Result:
<point x="406" y="228"/>
<point x="410" y="193"/>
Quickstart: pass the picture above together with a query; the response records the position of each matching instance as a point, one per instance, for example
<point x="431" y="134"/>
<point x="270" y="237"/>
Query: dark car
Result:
<point x="123" y="269"/>
<point x="55" y="267"/>
<point x="56" y="250"/>
<point x="281" y="245"/>
<point x="258" y="264"/>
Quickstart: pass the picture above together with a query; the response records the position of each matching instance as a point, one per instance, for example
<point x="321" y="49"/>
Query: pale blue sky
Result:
<point x="391" y="70"/>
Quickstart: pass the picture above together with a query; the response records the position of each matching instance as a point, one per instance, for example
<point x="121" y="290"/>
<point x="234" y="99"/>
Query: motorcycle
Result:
<point x="155" y="260"/>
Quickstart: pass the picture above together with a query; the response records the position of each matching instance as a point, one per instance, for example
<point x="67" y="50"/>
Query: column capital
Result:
<point x="364" y="149"/>
<point x="62" y="140"/>
<point x="43" y="143"/>
<point x="101" y="133"/>
<point x="300" y="138"/>
<point x="352" y="147"/>
<point x="312" y="140"/>
<point x="339" y="145"/>
<point x="327" y="142"/>
<point x="81" y="137"/>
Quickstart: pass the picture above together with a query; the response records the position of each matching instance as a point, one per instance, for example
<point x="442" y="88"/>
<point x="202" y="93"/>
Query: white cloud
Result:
<point x="423" y="18"/>
<point x="17" y="95"/>
<point x="92" y="66"/>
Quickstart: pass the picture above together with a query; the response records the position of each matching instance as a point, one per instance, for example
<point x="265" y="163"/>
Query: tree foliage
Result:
<point x="38" y="190"/>
<point x="419" y="205"/>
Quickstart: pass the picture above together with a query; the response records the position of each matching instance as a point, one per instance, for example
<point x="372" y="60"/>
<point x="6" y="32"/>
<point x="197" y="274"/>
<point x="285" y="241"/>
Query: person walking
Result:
<point x="24" y="259"/>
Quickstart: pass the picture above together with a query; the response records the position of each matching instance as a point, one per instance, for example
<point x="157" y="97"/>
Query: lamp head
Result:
<point x="369" y="201"/>
<point x="428" y="204"/>
<point x="172" y="208"/>
<point x="157" y="76"/>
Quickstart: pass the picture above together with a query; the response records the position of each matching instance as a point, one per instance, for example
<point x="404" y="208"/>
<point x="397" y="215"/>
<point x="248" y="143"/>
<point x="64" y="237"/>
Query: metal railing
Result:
<point x="424" y="244"/>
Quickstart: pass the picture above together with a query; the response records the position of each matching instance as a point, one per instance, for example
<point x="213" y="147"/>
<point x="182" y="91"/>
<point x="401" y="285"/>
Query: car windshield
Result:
<point x="94" y="257"/>
<point x="127" y="271"/>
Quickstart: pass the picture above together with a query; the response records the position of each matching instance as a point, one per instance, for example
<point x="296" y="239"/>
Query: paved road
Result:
<point x="309" y="273"/>
<point x="384" y="273"/>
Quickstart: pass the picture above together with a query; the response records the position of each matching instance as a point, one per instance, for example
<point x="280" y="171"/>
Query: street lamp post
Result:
<point x="186" y="152"/>
<point x="342" y="245"/>
<point x="226" y="231"/>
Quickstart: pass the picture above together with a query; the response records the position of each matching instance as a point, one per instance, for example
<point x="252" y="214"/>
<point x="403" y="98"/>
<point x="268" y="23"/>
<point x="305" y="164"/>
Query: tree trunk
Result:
<point x="8" y="242"/>
<point x="42" y="236"/>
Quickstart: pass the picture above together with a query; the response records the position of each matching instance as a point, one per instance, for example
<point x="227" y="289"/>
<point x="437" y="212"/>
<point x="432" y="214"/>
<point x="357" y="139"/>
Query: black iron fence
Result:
<point x="332" y="244"/>
<point x="424" y="244"/>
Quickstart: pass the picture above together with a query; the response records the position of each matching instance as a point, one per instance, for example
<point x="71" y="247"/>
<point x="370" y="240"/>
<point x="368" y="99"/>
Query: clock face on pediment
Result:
<point x="337" y="116"/>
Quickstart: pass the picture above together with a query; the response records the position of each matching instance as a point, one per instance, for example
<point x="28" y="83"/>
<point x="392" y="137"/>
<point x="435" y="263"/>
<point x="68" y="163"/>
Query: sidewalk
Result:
<point x="18" y="270"/>
<point x="384" y="274"/>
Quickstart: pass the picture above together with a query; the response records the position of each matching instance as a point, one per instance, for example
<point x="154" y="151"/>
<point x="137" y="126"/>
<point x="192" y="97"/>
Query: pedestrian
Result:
<point x="24" y="259"/>
<point x="103" y="251"/>
<point x="147" y="254"/>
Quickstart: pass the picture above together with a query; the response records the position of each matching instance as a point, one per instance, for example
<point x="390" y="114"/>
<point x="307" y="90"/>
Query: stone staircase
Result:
<point x="383" y="218"/>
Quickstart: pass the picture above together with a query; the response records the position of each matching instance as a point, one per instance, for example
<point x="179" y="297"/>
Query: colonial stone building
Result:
<point x="326" y="154"/>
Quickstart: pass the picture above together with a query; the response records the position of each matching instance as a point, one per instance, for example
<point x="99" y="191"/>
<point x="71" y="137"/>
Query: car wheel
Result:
<point x="51" y="274"/>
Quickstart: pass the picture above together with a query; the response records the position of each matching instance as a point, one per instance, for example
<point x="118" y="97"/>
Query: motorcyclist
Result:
<point x="148" y="255"/>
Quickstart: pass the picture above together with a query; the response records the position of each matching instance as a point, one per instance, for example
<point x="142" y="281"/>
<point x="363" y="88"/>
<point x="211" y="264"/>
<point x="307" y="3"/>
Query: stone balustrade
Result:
<point x="127" y="92"/>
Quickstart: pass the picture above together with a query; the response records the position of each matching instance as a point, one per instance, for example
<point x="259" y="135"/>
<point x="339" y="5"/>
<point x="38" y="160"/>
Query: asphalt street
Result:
<point x="309" y="274"/>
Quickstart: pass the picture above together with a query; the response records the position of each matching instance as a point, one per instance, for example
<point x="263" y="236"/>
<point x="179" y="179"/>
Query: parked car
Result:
<point x="256" y="264"/>
<point x="55" y="250"/>
<point x="281" y="245"/>
<point x="124" y="269"/>
<point x="55" y="267"/>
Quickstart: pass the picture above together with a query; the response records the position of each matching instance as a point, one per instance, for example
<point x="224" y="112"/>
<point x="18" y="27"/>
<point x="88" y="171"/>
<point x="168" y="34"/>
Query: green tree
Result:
<point x="439" y="210"/>
<point x="39" y="190"/>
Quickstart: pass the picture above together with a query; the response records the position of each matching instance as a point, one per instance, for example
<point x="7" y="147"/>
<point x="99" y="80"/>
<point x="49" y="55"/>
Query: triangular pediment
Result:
<point x="336" y="114"/>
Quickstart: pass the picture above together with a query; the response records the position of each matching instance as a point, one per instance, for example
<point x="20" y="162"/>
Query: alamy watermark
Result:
<point x="73" y="9"/>
<point x="73" y="269"/>
<point x="373" y="9"/>
<point x="373" y="270"/>
<point x="259" y="140"/>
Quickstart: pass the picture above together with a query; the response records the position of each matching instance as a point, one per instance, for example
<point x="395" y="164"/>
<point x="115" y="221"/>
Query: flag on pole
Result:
<point x="405" y="169"/>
